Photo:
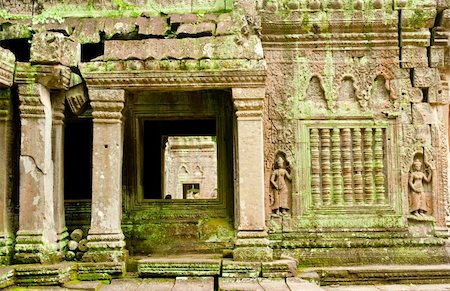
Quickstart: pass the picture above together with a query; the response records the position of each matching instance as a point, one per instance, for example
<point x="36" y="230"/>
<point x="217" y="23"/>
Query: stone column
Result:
<point x="251" y="243"/>
<point x="6" y="235"/>
<point x="58" y="167"/>
<point x="36" y="239"/>
<point x="105" y="238"/>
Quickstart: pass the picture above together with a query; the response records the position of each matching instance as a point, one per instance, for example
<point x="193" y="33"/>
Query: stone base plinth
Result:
<point x="114" y="256"/>
<point x="252" y="246"/>
<point x="6" y="250"/>
<point x="100" y="271"/>
<point x="43" y="275"/>
<point x="30" y="248"/>
<point x="7" y="275"/>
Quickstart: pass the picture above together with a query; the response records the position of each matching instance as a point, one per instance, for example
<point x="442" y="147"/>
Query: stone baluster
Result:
<point x="251" y="243"/>
<point x="315" y="168"/>
<point x="380" y="197"/>
<point x="358" y="166"/>
<point x="6" y="235"/>
<point x="58" y="166"/>
<point x="347" y="165"/>
<point x="36" y="239"/>
<point x="368" y="166"/>
<point x="326" y="166"/>
<point x="105" y="237"/>
<point x="338" y="197"/>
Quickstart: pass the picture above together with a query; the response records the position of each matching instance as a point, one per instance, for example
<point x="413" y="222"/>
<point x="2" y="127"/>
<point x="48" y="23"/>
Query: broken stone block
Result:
<point x="121" y="26"/>
<point x="152" y="26"/>
<point x="191" y="28"/>
<point x="54" y="48"/>
<point x="425" y="77"/>
<point x="77" y="99"/>
<point x="436" y="94"/>
<point x="414" y="57"/>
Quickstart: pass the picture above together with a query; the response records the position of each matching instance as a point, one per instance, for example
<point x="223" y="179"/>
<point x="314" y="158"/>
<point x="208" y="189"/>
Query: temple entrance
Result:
<point x="178" y="172"/>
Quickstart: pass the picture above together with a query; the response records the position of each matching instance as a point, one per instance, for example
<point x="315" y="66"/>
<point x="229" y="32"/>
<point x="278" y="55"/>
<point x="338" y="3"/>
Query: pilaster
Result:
<point x="105" y="238"/>
<point x="36" y="240"/>
<point x="58" y="99"/>
<point x="6" y="235"/>
<point x="251" y="243"/>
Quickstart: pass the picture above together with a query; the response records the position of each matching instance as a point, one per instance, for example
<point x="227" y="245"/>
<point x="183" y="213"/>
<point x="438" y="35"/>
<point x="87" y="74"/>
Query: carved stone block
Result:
<point x="425" y="77"/>
<point x="121" y="26"/>
<point x="54" y="48"/>
<point x="414" y="57"/>
<point x="77" y="99"/>
<point x="423" y="113"/>
<point x="191" y="28"/>
<point x="437" y="56"/>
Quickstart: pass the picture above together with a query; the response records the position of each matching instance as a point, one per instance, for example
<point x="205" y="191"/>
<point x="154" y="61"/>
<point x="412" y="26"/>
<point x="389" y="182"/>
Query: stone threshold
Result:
<point x="378" y="274"/>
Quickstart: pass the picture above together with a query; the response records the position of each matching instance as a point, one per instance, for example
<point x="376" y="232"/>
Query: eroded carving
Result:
<point x="419" y="199"/>
<point x="280" y="182"/>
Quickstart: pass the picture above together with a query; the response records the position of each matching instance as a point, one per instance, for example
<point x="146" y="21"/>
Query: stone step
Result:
<point x="381" y="274"/>
<point x="6" y="277"/>
<point x="179" y="266"/>
<point x="43" y="275"/>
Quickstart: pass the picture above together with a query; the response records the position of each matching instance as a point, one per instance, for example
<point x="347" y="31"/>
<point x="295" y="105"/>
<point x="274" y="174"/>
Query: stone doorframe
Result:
<point x="107" y="96"/>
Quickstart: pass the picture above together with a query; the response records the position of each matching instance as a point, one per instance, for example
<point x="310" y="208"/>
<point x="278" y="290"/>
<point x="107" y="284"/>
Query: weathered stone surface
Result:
<point x="425" y="77"/>
<point x="121" y="26"/>
<point x="198" y="283"/>
<point x="239" y="284"/>
<point x="183" y="18"/>
<point x="414" y="57"/>
<point x="87" y="30"/>
<point x="7" y="65"/>
<point x="6" y="277"/>
<point x="38" y="275"/>
<point x="202" y="27"/>
<point x="279" y="269"/>
<point x="225" y="47"/>
<point x="84" y="285"/>
<point x="300" y="284"/>
<point x="54" y="48"/>
<point x="274" y="284"/>
<point x="183" y="266"/>
<point x="152" y="26"/>
<point x="233" y="269"/>
<point x="423" y="113"/>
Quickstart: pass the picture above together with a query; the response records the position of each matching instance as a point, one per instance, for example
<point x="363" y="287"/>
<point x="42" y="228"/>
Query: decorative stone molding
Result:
<point x="7" y="64"/>
<point x="248" y="102"/>
<point x="107" y="107"/>
<point x="170" y="79"/>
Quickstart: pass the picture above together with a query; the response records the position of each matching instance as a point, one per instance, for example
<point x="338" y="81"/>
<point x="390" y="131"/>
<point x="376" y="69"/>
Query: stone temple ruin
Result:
<point x="224" y="138"/>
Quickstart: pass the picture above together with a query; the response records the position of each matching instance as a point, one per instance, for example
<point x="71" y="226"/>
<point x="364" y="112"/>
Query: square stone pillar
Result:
<point x="105" y="238"/>
<point x="58" y="167"/>
<point x="251" y="243"/>
<point x="6" y="140"/>
<point x="36" y="240"/>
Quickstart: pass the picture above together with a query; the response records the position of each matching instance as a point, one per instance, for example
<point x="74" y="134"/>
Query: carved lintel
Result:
<point x="107" y="104"/>
<point x="120" y="77"/>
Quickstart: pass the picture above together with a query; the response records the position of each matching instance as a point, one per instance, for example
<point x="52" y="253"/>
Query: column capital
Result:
<point x="30" y="101"/>
<point x="50" y="76"/>
<point x="249" y="102"/>
<point x="106" y="104"/>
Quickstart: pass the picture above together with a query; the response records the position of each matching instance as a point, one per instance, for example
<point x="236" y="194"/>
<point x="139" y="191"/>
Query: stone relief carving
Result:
<point x="280" y="181"/>
<point x="419" y="199"/>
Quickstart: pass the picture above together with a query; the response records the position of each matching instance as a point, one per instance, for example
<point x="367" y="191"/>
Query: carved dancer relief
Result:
<point x="419" y="199"/>
<point x="280" y="182"/>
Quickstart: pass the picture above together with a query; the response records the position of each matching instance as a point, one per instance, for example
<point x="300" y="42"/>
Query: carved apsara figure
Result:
<point x="280" y="193"/>
<point x="418" y="197"/>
